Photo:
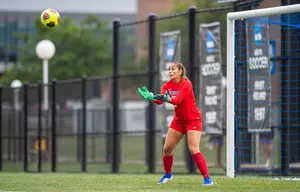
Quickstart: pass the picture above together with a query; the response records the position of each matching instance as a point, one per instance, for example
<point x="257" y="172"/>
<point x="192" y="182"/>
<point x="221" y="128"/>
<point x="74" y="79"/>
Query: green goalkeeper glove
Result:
<point x="166" y="97"/>
<point x="146" y="94"/>
<point x="163" y="97"/>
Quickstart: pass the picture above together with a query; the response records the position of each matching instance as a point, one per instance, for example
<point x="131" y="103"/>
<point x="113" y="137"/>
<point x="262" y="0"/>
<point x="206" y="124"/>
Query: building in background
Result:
<point x="19" y="16"/>
<point x="145" y="7"/>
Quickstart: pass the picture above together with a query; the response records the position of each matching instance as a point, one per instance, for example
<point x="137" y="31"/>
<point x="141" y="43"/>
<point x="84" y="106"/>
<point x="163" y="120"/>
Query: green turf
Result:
<point x="129" y="183"/>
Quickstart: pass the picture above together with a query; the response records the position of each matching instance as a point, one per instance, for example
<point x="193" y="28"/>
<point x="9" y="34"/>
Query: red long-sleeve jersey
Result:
<point x="183" y="99"/>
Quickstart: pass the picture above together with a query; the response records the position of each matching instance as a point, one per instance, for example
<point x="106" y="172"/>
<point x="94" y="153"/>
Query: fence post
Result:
<point x="39" y="133"/>
<point x="1" y="162"/>
<point x="25" y="108"/>
<point x="152" y="82"/>
<point x="108" y="135"/>
<point x="83" y="100"/>
<point x="10" y="128"/>
<point x="78" y="136"/>
<point x="116" y="99"/>
<point x="20" y="130"/>
<point x="192" y="71"/>
<point x="53" y="125"/>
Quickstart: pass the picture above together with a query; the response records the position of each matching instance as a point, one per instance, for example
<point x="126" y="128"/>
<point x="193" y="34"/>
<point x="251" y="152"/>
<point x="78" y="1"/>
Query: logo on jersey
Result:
<point x="173" y="93"/>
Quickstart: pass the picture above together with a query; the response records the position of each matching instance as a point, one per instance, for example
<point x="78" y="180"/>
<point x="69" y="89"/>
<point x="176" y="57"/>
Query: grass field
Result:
<point x="129" y="183"/>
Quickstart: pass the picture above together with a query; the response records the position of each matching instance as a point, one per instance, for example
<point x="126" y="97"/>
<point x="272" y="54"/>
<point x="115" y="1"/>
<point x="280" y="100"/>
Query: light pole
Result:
<point x="16" y="85"/>
<point x="45" y="50"/>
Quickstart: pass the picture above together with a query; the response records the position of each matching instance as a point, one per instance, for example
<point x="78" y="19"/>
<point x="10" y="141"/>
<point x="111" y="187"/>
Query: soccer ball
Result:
<point x="50" y="18"/>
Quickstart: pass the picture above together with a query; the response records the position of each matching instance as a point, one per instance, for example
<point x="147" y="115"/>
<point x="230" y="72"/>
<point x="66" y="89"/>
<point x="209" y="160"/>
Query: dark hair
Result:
<point x="181" y="67"/>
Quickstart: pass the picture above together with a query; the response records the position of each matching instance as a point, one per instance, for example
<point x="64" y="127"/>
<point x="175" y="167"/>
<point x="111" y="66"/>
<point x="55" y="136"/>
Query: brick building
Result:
<point x="144" y="8"/>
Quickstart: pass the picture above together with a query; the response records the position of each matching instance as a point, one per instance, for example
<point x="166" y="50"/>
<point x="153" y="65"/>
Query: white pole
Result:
<point x="264" y="12"/>
<point x="16" y="132"/>
<point x="45" y="82"/>
<point x="230" y="154"/>
<point x="16" y="106"/>
<point x="16" y="98"/>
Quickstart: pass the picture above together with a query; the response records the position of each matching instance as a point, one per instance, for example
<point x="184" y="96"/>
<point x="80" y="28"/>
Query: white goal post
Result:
<point x="230" y="122"/>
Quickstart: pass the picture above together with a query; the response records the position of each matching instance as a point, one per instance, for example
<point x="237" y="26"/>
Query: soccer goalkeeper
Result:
<point x="187" y="120"/>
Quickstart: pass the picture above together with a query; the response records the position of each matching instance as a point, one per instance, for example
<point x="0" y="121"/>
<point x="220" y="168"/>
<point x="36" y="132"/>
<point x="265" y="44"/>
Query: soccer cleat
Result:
<point x="165" y="178"/>
<point x="208" y="181"/>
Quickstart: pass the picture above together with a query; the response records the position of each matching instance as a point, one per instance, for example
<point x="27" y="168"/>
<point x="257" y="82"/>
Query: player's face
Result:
<point x="174" y="72"/>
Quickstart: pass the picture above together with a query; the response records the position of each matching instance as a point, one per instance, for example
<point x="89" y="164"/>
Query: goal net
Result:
<point x="263" y="100"/>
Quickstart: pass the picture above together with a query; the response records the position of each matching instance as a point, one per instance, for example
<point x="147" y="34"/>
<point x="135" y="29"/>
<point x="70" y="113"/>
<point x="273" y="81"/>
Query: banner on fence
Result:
<point x="211" y="89"/>
<point x="259" y="76"/>
<point x="170" y="50"/>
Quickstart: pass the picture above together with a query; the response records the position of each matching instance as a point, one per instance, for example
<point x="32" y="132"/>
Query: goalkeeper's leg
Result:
<point x="194" y="131"/>
<point x="172" y="139"/>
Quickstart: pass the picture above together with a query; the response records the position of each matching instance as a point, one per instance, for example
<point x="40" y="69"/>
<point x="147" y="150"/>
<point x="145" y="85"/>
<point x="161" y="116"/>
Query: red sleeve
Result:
<point x="163" y="90"/>
<point x="159" y="102"/>
<point x="184" y="90"/>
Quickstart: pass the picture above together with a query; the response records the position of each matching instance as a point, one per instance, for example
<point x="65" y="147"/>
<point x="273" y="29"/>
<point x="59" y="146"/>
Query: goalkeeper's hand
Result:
<point x="144" y="92"/>
<point x="163" y="97"/>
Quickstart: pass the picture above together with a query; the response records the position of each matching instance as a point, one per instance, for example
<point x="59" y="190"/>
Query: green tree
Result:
<point x="81" y="49"/>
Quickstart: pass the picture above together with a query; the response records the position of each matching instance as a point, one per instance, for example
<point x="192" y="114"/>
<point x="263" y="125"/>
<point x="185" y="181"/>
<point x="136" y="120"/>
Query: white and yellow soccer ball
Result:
<point x="50" y="18"/>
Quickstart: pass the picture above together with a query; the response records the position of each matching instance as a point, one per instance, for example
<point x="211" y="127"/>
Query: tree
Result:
<point x="81" y="49"/>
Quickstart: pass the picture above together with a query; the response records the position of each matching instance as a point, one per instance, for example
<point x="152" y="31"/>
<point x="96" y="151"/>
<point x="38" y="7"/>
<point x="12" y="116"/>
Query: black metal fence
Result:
<point x="100" y="124"/>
